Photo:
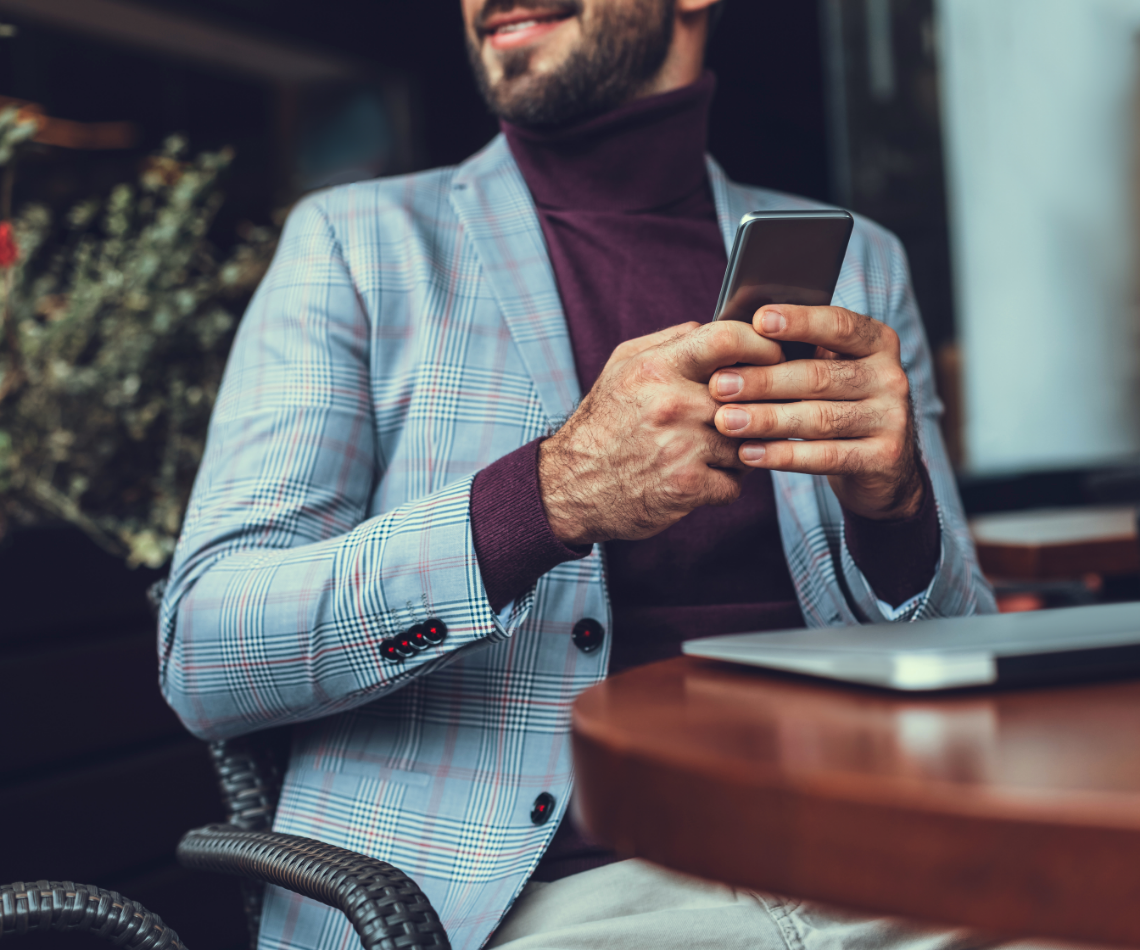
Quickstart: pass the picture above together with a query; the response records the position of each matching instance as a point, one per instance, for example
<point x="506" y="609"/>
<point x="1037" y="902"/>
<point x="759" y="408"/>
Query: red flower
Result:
<point x="9" y="252"/>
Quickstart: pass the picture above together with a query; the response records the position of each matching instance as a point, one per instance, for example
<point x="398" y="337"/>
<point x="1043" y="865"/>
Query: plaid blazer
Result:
<point x="408" y="334"/>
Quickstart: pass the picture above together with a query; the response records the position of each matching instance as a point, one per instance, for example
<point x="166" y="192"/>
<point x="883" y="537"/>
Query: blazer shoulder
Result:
<point x="414" y="195"/>
<point x="402" y="219"/>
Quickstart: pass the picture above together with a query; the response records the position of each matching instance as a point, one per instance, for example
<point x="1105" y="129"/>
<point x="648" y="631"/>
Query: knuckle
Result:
<point x="870" y="329"/>
<point x="690" y="349"/>
<point x="663" y="409"/>
<point x="819" y="375"/>
<point x="847" y="372"/>
<point x="722" y="449"/>
<point x="651" y="369"/>
<point x="765" y="419"/>
<point x="688" y="483"/>
<point x="894" y="453"/>
<point x="850" y="462"/>
<point x="823" y="419"/>
<point x="896" y="382"/>
<point x="846" y="324"/>
<point x="719" y="336"/>
<point x="725" y="491"/>
<point x="623" y="351"/>
<point x="758" y="382"/>
<point x="859" y="376"/>
<point x="673" y="453"/>
<point x="844" y="419"/>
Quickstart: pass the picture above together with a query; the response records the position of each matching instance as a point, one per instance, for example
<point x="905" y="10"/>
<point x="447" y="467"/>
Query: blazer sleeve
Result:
<point x="958" y="587"/>
<point x="284" y="595"/>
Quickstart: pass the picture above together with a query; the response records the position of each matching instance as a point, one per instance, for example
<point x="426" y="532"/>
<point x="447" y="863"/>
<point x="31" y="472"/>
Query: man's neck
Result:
<point x="684" y="62"/>
<point x="647" y="154"/>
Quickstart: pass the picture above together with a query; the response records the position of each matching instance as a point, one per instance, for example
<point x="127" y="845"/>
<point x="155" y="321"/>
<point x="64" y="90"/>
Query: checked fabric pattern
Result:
<point x="408" y="334"/>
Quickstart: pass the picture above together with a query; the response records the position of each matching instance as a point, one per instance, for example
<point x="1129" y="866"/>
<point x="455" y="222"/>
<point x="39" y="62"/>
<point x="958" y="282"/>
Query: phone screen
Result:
<point x="784" y="257"/>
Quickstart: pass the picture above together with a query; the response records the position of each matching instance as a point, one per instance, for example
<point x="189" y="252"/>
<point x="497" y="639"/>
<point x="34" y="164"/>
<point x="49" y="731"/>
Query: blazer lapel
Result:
<point x="731" y="204"/>
<point x="498" y="215"/>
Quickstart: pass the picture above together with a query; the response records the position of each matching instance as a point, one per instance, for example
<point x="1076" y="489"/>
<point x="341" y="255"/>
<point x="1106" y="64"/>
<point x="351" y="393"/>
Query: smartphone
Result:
<point x="784" y="257"/>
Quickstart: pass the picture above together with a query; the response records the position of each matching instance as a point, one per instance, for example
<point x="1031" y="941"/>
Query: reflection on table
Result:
<point x="1012" y="812"/>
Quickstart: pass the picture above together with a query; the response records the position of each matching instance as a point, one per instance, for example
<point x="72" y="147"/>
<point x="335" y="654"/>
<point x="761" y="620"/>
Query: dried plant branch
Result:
<point x="116" y="323"/>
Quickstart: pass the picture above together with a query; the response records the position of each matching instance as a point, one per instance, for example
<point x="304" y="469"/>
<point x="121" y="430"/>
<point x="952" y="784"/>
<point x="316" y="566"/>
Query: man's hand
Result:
<point x="641" y="451"/>
<point x="851" y="407"/>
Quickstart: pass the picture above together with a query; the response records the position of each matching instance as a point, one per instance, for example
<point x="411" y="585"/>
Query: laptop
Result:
<point x="1071" y="643"/>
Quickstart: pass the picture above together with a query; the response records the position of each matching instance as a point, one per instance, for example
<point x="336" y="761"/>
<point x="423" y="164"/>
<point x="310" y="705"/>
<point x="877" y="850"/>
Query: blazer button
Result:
<point x="435" y="630"/>
<point x="543" y="809"/>
<point x="391" y="652"/>
<point x="588" y="634"/>
<point x="417" y="636"/>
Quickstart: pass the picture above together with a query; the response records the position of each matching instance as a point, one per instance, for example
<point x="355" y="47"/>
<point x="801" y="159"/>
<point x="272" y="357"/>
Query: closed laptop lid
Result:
<point x="1048" y="645"/>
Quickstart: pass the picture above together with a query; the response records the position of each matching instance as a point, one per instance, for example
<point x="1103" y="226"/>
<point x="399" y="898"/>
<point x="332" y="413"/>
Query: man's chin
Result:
<point x="513" y="98"/>
<point x="521" y="74"/>
<point x="538" y="99"/>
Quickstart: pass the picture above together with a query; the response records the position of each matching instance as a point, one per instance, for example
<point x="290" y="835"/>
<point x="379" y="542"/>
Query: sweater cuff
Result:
<point x="898" y="558"/>
<point x="514" y="542"/>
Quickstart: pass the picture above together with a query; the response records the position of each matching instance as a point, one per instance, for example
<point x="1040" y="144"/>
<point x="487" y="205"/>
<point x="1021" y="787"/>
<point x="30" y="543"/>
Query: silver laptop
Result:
<point x="1068" y="644"/>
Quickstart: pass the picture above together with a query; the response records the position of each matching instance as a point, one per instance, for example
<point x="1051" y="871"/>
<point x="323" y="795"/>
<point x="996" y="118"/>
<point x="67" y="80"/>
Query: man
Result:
<point x="397" y="543"/>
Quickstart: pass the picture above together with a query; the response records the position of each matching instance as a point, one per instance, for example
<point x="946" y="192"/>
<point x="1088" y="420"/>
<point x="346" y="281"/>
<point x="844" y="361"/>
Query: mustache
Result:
<point x="564" y="8"/>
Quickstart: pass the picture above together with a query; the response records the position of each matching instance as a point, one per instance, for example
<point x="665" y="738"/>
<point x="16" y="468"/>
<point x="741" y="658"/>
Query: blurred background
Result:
<point x="149" y="150"/>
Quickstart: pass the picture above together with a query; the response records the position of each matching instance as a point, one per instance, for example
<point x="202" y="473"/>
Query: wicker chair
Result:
<point x="387" y="908"/>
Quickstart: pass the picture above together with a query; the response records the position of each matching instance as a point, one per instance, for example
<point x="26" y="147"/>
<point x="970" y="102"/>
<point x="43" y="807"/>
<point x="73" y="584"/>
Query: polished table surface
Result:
<point x="1057" y="543"/>
<point x="1014" y="811"/>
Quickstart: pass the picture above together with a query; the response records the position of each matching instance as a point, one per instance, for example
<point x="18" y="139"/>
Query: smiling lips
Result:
<point x="520" y="27"/>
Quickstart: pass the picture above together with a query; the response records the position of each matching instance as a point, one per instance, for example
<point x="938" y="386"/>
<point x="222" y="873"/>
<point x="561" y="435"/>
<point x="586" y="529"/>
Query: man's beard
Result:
<point x="622" y="47"/>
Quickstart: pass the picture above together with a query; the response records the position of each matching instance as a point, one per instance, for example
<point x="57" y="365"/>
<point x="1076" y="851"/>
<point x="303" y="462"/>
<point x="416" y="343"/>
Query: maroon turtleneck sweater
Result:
<point x="626" y="209"/>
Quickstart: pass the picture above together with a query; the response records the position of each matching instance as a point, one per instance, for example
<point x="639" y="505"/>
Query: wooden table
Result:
<point x="1057" y="543"/>
<point x="1016" y="812"/>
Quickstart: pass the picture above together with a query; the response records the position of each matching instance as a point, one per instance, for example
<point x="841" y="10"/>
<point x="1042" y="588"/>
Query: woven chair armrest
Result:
<point x="63" y="905"/>
<point x="387" y="908"/>
<point x="249" y="771"/>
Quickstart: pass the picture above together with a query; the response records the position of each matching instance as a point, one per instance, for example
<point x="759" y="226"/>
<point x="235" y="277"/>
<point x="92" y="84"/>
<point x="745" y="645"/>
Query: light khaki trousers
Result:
<point x="634" y="905"/>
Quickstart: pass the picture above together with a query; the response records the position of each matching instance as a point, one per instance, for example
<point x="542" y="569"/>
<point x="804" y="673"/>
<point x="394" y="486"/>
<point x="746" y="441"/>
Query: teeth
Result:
<point x="515" y="27"/>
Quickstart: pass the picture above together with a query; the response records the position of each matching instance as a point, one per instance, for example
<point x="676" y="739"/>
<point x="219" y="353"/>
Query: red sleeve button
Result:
<point x="588" y="634"/>
<point x="435" y="630"/>
<point x="543" y="808"/>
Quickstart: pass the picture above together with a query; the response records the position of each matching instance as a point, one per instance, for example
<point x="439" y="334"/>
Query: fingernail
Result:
<point x="773" y="321"/>
<point x="752" y="451"/>
<point x="729" y="384"/>
<point x="734" y="419"/>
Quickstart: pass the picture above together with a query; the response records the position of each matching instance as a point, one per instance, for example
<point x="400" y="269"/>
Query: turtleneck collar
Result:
<point x="646" y="155"/>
